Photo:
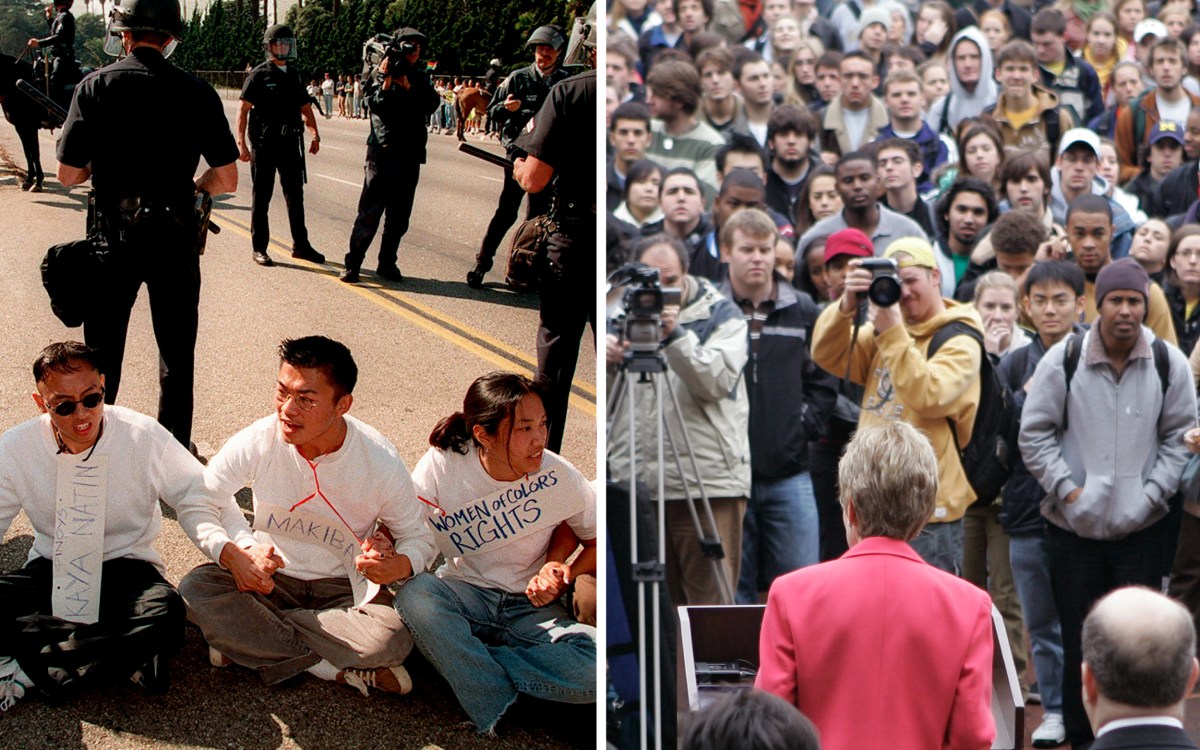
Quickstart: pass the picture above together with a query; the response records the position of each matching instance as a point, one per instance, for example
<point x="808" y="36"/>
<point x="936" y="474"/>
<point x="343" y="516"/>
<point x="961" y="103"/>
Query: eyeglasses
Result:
<point x="304" y="402"/>
<point x="90" y="401"/>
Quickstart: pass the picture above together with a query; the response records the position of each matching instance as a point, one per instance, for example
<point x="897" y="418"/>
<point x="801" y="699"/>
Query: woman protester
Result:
<point x="496" y="619"/>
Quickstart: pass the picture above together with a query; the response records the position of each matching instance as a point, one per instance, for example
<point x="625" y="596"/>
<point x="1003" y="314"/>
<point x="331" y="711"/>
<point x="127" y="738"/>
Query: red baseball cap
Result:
<point x="848" y="242"/>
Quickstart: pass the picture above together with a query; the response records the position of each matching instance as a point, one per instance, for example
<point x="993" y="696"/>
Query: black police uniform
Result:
<point x="563" y="137"/>
<point x="531" y="88"/>
<point x="62" y="42"/>
<point x="276" y="144"/>
<point x="395" y="153"/>
<point x="143" y="124"/>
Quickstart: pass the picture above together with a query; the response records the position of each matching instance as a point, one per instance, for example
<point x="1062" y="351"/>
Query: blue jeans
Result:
<point x="941" y="545"/>
<point x="780" y="533"/>
<point x="1031" y="573"/>
<point x="491" y="645"/>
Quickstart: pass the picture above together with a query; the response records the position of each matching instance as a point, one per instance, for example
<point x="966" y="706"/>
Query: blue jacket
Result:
<point x="933" y="151"/>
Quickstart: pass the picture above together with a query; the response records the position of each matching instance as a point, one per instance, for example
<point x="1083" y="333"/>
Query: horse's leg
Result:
<point x="33" y="162"/>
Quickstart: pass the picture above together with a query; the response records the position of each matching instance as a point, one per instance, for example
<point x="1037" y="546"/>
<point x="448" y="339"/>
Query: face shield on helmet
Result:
<point x="162" y="16"/>
<point x="279" y="41"/>
<point x="581" y="49"/>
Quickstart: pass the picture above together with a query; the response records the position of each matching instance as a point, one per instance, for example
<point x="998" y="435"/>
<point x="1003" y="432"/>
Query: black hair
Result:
<point x="643" y="245"/>
<point x="741" y="178"/>
<point x="490" y="400"/>
<point x="682" y="171"/>
<point x="65" y="357"/>
<point x="803" y="218"/>
<point x="866" y="153"/>
<point x="1056" y="272"/>
<point x="631" y="111"/>
<point x="741" y="146"/>
<point x="324" y="354"/>
<point x="751" y="720"/>
<point x="965" y="185"/>
<point x="639" y="171"/>
<point x="1090" y="203"/>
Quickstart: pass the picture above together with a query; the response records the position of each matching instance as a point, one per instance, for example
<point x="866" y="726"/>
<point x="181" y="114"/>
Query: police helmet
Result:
<point x="550" y="35"/>
<point x="148" y="15"/>
<point x="283" y="39"/>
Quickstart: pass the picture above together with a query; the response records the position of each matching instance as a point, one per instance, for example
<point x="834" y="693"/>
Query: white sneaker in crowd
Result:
<point x="1051" y="732"/>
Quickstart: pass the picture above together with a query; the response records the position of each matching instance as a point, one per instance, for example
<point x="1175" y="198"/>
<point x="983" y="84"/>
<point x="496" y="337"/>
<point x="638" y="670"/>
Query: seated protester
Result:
<point x="743" y="153"/>
<point x="682" y="203"/>
<point x="972" y="89"/>
<point x="903" y="98"/>
<point x="857" y="182"/>
<point x="643" y="183"/>
<point x="1182" y="287"/>
<point x="678" y="138"/>
<point x="1076" y="173"/>
<point x="65" y="625"/>
<point x="791" y="135"/>
<point x="899" y="163"/>
<point x="1166" y="101"/>
<point x="1089" y="235"/>
<point x="303" y="589"/>
<point x="813" y="629"/>
<point x="790" y="403"/>
<point x="1126" y="87"/>
<point x="852" y="119"/>
<point x="1151" y="245"/>
<point x="1012" y="245"/>
<point x="1073" y="80"/>
<point x="962" y="213"/>
<point x="1110" y="170"/>
<point x="493" y="619"/>
<point x="720" y="108"/>
<point x="1026" y="113"/>
<point x="1166" y="154"/>
<point x="819" y="199"/>
<point x="1181" y="186"/>
<point x="629" y="135"/>
<point x="828" y="81"/>
<point x="753" y="80"/>
<point x="1052" y="301"/>
<point x="740" y="189"/>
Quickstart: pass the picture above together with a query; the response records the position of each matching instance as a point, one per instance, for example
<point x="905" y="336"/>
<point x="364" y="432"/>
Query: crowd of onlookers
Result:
<point x="1033" y="172"/>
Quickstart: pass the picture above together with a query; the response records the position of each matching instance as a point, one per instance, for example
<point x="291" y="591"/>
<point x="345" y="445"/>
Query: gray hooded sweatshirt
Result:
<point x="963" y="103"/>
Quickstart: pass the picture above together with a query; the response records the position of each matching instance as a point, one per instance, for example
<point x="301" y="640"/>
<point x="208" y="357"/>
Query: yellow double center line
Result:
<point x="583" y="395"/>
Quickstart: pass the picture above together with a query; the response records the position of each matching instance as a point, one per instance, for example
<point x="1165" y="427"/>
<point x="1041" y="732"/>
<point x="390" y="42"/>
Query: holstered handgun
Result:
<point x="203" y="207"/>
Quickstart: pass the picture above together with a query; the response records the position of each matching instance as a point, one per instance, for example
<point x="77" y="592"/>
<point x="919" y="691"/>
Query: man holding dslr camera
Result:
<point x="400" y="98"/>
<point x="888" y="354"/>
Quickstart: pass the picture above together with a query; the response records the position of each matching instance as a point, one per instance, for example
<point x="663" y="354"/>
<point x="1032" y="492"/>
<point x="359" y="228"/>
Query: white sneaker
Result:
<point x="13" y="683"/>
<point x="1051" y="732"/>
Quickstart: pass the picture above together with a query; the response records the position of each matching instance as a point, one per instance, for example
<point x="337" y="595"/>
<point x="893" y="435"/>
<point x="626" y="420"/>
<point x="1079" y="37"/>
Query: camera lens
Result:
<point x="884" y="291"/>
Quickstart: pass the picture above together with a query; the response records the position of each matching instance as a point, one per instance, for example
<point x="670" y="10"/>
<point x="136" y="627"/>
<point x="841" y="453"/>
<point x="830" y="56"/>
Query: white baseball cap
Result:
<point x="1147" y="27"/>
<point x="1079" y="135"/>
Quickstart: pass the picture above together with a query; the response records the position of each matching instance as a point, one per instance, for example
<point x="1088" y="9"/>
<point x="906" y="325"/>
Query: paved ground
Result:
<point x="418" y="345"/>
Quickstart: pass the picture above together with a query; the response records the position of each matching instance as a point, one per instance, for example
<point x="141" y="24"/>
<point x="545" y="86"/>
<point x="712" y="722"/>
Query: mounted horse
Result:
<point x="26" y="115"/>
<point x="470" y="99"/>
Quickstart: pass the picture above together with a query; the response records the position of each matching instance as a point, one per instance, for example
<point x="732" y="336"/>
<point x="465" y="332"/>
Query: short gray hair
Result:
<point x="890" y="473"/>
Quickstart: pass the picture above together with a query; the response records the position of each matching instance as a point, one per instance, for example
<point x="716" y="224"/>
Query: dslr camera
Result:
<point x="885" y="283"/>
<point x="644" y="300"/>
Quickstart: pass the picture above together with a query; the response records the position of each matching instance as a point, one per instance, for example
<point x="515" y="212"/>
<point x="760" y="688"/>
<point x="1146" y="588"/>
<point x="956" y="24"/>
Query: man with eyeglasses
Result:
<point x="303" y="588"/>
<point x="91" y="603"/>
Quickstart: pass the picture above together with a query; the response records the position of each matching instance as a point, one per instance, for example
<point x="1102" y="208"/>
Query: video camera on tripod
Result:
<point x="640" y="325"/>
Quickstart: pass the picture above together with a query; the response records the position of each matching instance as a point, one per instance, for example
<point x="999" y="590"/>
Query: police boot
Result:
<point x="262" y="259"/>
<point x="349" y="275"/>
<point x="475" y="276"/>
<point x="308" y="253"/>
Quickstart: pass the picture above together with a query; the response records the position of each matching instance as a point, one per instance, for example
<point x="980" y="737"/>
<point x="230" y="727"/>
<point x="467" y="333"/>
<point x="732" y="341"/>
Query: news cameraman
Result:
<point x="705" y="344"/>
<point x="400" y="97"/>
<point x="888" y="355"/>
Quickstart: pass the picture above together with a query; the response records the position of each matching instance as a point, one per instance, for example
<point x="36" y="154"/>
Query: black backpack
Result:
<point x="985" y="457"/>
<point x="1162" y="364"/>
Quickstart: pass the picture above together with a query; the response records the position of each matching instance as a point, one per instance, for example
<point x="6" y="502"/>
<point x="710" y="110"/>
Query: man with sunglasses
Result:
<point x="91" y="603"/>
<point x="300" y="590"/>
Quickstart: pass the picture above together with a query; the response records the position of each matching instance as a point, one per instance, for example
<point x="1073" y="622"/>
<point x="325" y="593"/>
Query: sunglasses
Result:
<point x="90" y="401"/>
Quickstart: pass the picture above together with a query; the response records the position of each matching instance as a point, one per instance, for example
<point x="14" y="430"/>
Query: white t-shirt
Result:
<point x="145" y="463"/>
<point x="362" y="481"/>
<point x="856" y="125"/>
<point x="458" y="484"/>
<point x="1177" y="111"/>
<point x="327" y="87"/>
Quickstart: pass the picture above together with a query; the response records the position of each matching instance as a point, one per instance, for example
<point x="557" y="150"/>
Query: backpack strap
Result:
<point x="1070" y="364"/>
<point x="1139" y="129"/>
<point x="1053" y="128"/>
<point x="944" y="120"/>
<point x="944" y="334"/>
<point x="1162" y="363"/>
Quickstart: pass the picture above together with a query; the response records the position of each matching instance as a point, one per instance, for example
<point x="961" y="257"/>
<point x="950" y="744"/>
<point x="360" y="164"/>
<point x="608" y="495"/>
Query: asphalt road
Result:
<point x="418" y="345"/>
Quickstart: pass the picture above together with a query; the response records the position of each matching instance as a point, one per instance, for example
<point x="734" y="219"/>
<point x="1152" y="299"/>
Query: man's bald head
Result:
<point x="1140" y="647"/>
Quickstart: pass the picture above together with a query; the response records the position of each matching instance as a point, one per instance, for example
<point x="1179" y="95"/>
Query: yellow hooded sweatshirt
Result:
<point x="901" y="384"/>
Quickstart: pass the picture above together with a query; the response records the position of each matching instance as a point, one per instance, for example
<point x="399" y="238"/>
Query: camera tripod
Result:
<point x="650" y="369"/>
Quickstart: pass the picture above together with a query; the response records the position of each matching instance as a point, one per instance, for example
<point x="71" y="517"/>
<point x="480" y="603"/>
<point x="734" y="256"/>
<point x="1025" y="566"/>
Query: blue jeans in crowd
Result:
<point x="941" y="545"/>
<point x="780" y="533"/>
<point x="491" y="645"/>
<point x="1031" y="574"/>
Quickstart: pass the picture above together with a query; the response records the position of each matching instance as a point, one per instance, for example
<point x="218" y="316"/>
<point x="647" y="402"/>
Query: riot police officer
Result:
<point x="399" y="97"/>
<point x="138" y="129"/>
<point x="517" y="99"/>
<point x="561" y="147"/>
<point x="273" y="102"/>
<point x="61" y="42"/>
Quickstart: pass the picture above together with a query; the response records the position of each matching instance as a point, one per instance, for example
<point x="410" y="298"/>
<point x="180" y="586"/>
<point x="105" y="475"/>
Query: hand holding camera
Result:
<point x="876" y="280"/>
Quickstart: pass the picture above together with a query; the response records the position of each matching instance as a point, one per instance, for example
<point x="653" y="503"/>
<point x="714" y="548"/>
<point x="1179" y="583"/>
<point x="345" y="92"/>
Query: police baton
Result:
<point x="486" y="155"/>
<point x="54" y="108"/>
